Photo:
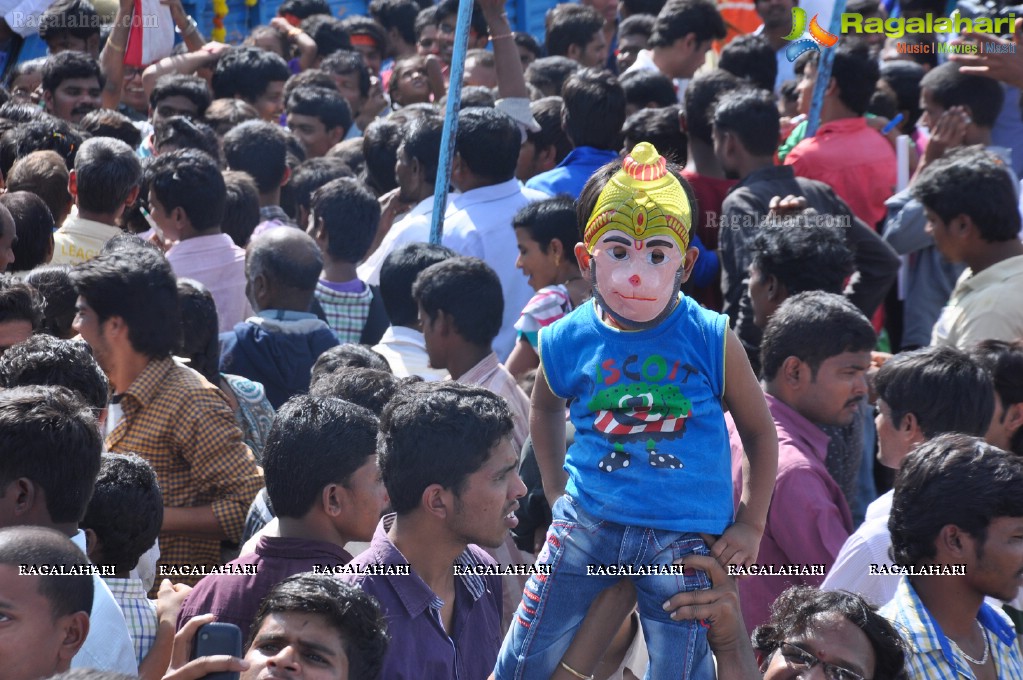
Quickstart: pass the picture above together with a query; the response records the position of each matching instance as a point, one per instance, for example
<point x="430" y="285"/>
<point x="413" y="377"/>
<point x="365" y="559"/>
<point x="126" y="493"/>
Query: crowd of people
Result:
<point x="239" y="385"/>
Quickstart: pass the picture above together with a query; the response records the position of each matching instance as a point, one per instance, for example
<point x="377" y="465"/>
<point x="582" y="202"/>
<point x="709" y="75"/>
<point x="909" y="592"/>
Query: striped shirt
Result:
<point x="182" y="425"/>
<point x="139" y="612"/>
<point x="931" y="656"/>
<point x="548" y="305"/>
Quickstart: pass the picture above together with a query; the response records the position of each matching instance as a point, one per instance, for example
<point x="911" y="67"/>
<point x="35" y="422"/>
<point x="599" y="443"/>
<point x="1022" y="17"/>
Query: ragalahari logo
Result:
<point x="818" y="36"/>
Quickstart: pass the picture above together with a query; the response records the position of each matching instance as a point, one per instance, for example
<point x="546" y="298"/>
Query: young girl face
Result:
<point x="538" y="266"/>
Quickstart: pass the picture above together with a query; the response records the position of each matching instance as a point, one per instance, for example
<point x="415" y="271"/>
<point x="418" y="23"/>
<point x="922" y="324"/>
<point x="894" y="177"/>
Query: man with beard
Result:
<point x="745" y="131"/>
<point x="816" y="352"/>
<point x="72" y="84"/>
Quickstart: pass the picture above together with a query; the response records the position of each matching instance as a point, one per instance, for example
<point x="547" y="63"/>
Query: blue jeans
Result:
<point x="553" y="606"/>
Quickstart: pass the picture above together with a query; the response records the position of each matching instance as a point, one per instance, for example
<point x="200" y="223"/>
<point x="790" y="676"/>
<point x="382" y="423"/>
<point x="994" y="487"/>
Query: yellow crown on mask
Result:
<point x="642" y="199"/>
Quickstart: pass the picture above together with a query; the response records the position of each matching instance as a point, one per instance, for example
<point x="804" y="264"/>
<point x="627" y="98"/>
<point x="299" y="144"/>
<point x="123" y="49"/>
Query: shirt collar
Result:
<point x="588" y="154"/>
<point x="766" y="174"/>
<point x="147" y="385"/>
<point x="843" y="125"/>
<point x="202" y="243"/>
<point x="996" y="273"/>
<point x="924" y="634"/>
<point x="415" y="596"/>
<point x="126" y="588"/>
<point x="798" y="427"/>
<point x="478" y="373"/>
<point x="493" y="192"/>
<point x="297" y="548"/>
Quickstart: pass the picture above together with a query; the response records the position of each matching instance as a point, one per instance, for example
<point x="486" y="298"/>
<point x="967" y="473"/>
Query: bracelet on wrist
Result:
<point x="502" y="36"/>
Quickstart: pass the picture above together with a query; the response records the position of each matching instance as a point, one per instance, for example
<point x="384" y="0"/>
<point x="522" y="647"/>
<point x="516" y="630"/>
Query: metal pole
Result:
<point x="447" y="140"/>
<point x="824" y="64"/>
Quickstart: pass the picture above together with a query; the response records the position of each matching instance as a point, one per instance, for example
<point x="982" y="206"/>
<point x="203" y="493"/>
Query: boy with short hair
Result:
<point x="319" y="117"/>
<point x="324" y="484"/>
<point x="643" y="369"/>
<point x="187" y="195"/>
<point x="460" y="310"/>
<point x="118" y="538"/>
<point x="343" y="221"/>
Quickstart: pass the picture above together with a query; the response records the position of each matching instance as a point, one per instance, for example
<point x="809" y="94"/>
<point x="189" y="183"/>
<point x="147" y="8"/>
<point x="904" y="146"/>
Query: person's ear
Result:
<point x="775" y="289"/>
<point x="690" y="261"/>
<point x="114" y="327"/>
<point x="574" y="52"/>
<point x="832" y="88"/>
<point x="556" y="250"/>
<point x="683" y="126"/>
<point x="910" y="430"/>
<point x="546" y="158"/>
<point x="133" y="196"/>
<point x="444" y="324"/>
<point x="75" y="628"/>
<point x="72" y="184"/>
<point x="437" y="501"/>
<point x="48" y="101"/>
<point x="332" y="500"/>
<point x="287" y="175"/>
<point x="793" y="371"/>
<point x="582" y="256"/>
<point x="335" y="134"/>
<point x="732" y="146"/>
<point x="93" y="545"/>
<point x="178" y="215"/>
<point x="25" y="495"/>
<point x="260" y="288"/>
<point x="318" y="231"/>
<point x="1013" y="418"/>
<point x="963" y="225"/>
<point x="954" y="542"/>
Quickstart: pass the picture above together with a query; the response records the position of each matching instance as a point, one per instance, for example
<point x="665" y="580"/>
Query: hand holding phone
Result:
<point x="218" y="639"/>
<point x="187" y="662"/>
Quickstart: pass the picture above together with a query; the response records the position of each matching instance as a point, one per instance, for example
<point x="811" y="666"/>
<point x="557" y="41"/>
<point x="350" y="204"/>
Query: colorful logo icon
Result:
<point x="818" y="36"/>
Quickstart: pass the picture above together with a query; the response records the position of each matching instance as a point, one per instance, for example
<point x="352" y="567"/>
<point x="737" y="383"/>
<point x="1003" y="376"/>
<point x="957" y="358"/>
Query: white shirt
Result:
<point x="108" y="647"/>
<point x="866" y="546"/>
<point x="405" y="351"/>
<point x="415" y="228"/>
<point x="488" y="211"/>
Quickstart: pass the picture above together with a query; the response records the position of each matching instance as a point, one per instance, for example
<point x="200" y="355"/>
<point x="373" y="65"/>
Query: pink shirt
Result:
<point x="852" y="158"/>
<point x="491" y="374"/>
<point x="217" y="263"/>
<point x="809" y="519"/>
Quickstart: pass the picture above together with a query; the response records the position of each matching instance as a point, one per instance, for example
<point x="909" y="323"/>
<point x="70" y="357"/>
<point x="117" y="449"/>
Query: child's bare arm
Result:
<point x="547" y="427"/>
<point x="744" y="398"/>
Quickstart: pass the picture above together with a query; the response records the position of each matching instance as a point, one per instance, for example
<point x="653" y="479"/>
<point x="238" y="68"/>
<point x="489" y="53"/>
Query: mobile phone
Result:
<point x="214" y="639"/>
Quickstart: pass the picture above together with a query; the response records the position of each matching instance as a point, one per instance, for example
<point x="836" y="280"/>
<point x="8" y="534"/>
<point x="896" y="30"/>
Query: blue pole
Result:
<point x="447" y="140"/>
<point x="824" y="64"/>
